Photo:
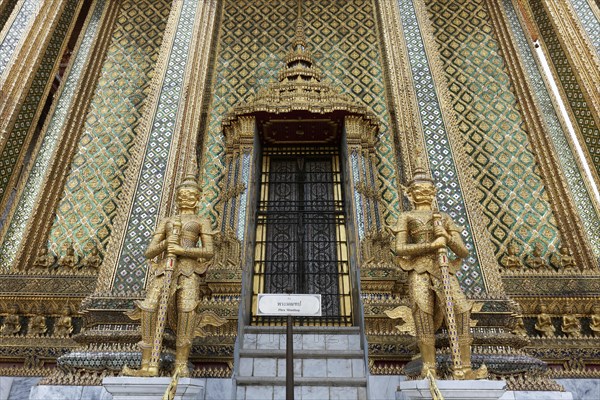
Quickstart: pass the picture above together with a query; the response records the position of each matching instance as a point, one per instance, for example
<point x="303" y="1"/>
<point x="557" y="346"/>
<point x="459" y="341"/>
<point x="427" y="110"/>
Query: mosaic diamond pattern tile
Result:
<point x="514" y="198"/>
<point x="131" y="269"/>
<point x="7" y="48"/>
<point x="449" y="194"/>
<point x="88" y="205"/>
<point x="255" y="38"/>
<point x="567" y="79"/>
<point x="13" y="149"/>
<point x="575" y="180"/>
<point x="588" y="20"/>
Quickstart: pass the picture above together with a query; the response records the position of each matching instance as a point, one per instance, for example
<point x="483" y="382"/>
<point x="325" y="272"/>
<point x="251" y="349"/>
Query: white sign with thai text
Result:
<point x="300" y="305"/>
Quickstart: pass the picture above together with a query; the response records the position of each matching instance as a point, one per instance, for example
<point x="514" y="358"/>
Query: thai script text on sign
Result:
<point x="301" y="305"/>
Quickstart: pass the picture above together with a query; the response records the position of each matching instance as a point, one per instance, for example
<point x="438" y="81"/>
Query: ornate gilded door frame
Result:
<point x="243" y="139"/>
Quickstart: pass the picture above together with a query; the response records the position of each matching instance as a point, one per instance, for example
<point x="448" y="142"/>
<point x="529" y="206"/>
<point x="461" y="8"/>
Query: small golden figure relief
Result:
<point x="512" y="260"/>
<point x="12" y="323"/>
<point x="563" y="259"/>
<point x="536" y="260"/>
<point x="173" y="295"/>
<point x="571" y="326"/>
<point x="92" y="261"/>
<point x="520" y="327"/>
<point x="69" y="260"/>
<point x="544" y="323"/>
<point x="37" y="324"/>
<point x="595" y="321"/>
<point x="44" y="259"/>
<point x="422" y="239"/>
<point x="64" y="325"/>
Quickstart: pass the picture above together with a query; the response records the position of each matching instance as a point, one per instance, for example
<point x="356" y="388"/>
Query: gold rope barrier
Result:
<point x="435" y="391"/>
<point x="172" y="388"/>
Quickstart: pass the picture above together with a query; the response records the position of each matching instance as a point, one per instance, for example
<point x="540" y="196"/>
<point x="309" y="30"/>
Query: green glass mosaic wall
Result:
<point x="514" y="199"/>
<point x="88" y="204"/>
<point x="14" y="150"/>
<point x="254" y="39"/>
<point x="10" y="5"/>
<point x="569" y="83"/>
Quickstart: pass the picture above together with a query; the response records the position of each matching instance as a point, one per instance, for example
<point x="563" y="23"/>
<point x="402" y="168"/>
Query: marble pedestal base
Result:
<point x="531" y="395"/>
<point x="133" y="388"/>
<point x="463" y="390"/>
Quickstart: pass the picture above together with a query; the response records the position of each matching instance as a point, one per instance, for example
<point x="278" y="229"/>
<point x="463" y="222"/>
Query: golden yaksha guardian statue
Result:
<point x="423" y="237"/>
<point x="185" y="241"/>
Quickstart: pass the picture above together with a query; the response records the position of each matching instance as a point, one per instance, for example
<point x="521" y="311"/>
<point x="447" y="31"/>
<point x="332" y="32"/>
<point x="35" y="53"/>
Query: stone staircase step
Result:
<point x="346" y="330"/>
<point x="317" y="381"/>
<point x="305" y="368"/>
<point x="279" y="353"/>
<point x="303" y="341"/>
<point x="328" y="363"/>
<point x="268" y="392"/>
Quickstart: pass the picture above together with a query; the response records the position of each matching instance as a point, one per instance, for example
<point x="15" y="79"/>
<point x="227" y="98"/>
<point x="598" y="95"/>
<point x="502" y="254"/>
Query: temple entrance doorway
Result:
<point x="301" y="237"/>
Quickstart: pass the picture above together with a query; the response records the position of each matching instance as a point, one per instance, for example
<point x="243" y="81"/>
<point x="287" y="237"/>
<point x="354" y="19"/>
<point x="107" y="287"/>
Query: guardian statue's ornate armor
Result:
<point x="423" y="237"/>
<point x="180" y="250"/>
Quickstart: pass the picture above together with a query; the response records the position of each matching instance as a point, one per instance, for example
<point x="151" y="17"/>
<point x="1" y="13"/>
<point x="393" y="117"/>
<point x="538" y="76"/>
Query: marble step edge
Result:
<point x="276" y="353"/>
<point x="326" y="330"/>
<point x="300" y="381"/>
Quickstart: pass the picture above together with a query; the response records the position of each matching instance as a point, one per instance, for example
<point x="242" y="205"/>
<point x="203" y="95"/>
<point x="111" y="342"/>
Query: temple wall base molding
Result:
<point x="464" y="390"/>
<point x="120" y="388"/>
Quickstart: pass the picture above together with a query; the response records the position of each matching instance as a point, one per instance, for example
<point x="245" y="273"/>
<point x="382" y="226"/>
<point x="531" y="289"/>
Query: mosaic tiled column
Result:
<point x="109" y="141"/>
<point x="512" y="193"/>
<point x="29" y="63"/>
<point x="589" y="20"/>
<point x="580" y="190"/>
<point x="162" y="156"/>
<point x="16" y="147"/>
<point x="455" y="193"/>
<point x="153" y="174"/>
<point x="409" y="41"/>
<point x="25" y="42"/>
<point x="575" y="62"/>
<point x="38" y="187"/>
<point x="570" y="198"/>
<point x="6" y="9"/>
<point x="400" y="89"/>
<point x="237" y="211"/>
<point x="39" y="194"/>
<point x="240" y="160"/>
<point x="366" y="188"/>
<point x="16" y="27"/>
<point x="422" y="130"/>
